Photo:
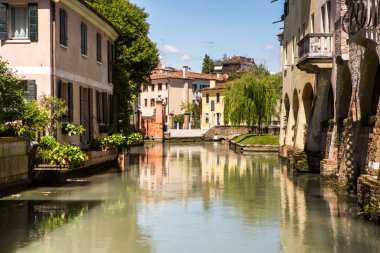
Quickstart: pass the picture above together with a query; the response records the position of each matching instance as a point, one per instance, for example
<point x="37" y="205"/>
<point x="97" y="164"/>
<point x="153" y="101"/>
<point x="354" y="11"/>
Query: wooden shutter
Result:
<point x="90" y="112"/>
<point x="59" y="89"/>
<point x="63" y="27"/>
<point x="109" y="60"/>
<point x="3" y="22"/>
<point x="105" y="107"/>
<point x="81" y="104"/>
<point x="110" y="100"/>
<point x="33" y="21"/>
<point x="83" y="38"/>
<point x="70" y="102"/>
<point x="99" y="47"/>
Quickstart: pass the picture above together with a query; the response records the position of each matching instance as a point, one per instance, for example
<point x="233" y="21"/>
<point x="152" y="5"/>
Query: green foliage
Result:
<point x="64" y="155"/>
<point x="11" y="94"/>
<point x="116" y="140"/>
<point x="96" y="144"/>
<point x="55" y="109"/>
<point x="135" y="139"/>
<point x="372" y="120"/>
<point x="48" y="142"/>
<point x="208" y="65"/>
<point x="253" y="139"/>
<point x="193" y="108"/>
<point x="136" y="54"/>
<point x="252" y="99"/>
<point x="180" y="118"/>
<point x="34" y="120"/>
<point x="345" y="122"/>
<point x="73" y="129"/>
<point x="330" y="123"/>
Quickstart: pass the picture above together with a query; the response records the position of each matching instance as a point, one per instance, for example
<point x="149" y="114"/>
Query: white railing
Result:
<point x="315" y="45"/>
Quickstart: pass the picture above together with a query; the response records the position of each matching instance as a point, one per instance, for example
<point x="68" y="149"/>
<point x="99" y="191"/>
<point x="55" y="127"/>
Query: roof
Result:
<point x="219" y="86"/>
<point x="191" y="75"/>
<point x="238" y="59"/>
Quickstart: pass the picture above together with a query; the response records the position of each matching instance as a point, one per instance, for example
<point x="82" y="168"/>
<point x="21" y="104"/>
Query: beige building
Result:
<point x="175" y="87"/>
<point x="306" y="51"/>
<point x="62" y="48"/>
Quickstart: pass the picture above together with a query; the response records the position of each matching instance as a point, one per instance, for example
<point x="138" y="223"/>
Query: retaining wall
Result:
<point x="13" y="163"/>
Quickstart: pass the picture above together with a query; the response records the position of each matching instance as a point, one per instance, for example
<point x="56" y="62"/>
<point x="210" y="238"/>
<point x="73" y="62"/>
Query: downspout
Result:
<point x="53" y="47"/>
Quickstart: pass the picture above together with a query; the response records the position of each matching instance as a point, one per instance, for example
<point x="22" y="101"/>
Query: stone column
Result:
<point x="159" y="121"/>
<point x="171" y="121"/>
<point x="187" y="120"/>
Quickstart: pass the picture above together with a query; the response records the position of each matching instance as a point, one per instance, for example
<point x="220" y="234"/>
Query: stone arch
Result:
<point x="369" y="87"/>
<point x="344" y="100"/>
<point x="296" y="105"/>
<point x="286" y="119"/>
<point x="308" y="101"/>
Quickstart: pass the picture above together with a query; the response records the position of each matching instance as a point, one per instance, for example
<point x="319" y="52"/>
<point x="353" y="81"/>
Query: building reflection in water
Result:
<point x="316" y="218"/>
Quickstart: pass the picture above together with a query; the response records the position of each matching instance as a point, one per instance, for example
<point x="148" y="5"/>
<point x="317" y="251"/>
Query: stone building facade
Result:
<point x="340" y="50"/>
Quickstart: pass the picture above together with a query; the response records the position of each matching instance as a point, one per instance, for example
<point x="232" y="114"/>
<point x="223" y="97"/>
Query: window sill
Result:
<point x="98" y="62"/>
<point x="64" y="46"/>
<point x="18" y="41"/>
<point x="84" y="56"/>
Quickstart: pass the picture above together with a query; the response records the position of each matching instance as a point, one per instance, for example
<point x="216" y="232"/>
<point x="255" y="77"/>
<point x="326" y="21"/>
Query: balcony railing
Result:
<point x="315" y="46"/>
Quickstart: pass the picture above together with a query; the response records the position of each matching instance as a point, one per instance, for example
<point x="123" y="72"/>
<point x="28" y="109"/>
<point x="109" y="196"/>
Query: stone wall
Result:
<point x="369" y="196"/>
<point x="227" y="132"/>
<point x="13" y="163"/>
<point x="99" y="157"/>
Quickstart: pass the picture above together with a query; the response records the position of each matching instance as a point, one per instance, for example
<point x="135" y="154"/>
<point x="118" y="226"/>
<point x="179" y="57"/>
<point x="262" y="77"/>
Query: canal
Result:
<point x="187" y="198"/>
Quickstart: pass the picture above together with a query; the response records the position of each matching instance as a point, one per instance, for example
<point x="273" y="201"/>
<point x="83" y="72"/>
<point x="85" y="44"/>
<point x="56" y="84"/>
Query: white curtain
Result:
<point x="20" y="22"/>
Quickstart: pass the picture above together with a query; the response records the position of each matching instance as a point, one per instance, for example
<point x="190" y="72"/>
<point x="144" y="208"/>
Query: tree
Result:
<point x="252" y="99"/>
<point x="208" y="65"/>
<point x="11" y="94"/>
<point x="55" y="108"/>
<point x="193" y="108"/>
<point x="136" y="54"/>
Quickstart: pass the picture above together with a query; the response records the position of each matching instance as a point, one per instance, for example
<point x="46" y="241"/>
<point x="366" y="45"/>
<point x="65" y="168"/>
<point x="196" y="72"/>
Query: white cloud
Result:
<point x="269" y="47"/>
<point x="170" y="49"/>
<point x="185" y="57"/>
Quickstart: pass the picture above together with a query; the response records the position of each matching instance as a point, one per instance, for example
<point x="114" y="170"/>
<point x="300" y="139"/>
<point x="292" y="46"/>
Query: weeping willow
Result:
<point x="252" y="100"/>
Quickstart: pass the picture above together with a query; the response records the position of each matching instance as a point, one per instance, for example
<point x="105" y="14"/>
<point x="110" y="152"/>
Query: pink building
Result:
<point x="62" y="48"/>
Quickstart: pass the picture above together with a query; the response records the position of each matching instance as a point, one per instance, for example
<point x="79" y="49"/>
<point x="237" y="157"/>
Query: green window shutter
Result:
<point x="30" y="90"/>
<point x="33" y="21"/>
<point x="59" y="89"/>
<point x="3" y="21"/>
<point x="70" y="102"/>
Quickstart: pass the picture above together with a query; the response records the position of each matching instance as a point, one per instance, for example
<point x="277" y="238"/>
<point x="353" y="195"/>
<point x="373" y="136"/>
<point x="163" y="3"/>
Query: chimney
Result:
<point x="218" y="75"/>
<point x="185" y="71"/>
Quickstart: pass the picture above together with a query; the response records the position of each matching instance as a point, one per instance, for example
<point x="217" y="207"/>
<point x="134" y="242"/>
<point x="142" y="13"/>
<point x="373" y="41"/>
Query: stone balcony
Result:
<point x="315" y="52"/>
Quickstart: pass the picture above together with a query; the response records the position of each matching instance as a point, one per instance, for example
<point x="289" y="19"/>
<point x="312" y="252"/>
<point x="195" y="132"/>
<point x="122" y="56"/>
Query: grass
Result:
<point x="253" y="139"/>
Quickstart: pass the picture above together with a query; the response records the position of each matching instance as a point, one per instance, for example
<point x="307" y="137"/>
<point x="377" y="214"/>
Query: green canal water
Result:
<point x="187" y="198"/>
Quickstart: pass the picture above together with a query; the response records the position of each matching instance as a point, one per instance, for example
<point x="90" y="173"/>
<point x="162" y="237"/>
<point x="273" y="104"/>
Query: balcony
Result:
<point x="315" y="52"/>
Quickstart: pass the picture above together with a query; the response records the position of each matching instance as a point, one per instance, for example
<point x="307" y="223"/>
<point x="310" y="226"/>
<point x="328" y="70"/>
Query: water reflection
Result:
<point x="187" y="198"/>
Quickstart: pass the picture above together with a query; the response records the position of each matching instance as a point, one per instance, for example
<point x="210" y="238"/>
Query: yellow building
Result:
<point x="212" y="107"/>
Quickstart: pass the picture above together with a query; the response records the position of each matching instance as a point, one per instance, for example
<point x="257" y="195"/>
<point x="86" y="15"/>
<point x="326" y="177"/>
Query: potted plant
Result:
<point x="118" y="141"/>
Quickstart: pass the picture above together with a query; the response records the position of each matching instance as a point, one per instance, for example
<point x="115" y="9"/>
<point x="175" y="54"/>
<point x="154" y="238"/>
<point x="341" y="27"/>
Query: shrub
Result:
<point x="73" y="129"/>
<point x="135" y="139"/>
<point x="179" y="118"/>
<point x="372" y="120"/>
<point x="117" y="140"/>
<point x="96" y="144"/>
<point x="48" y="142"/>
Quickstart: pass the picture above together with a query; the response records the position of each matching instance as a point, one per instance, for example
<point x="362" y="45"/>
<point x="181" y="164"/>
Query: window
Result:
<point x="30" y="89"/>
<point x="99" y="112"/>
<point x="166" y="101"/>
<point x="145" y="88"/>
<point x="152" y="102"/>
<point x="195" y="87"/>
<point x="65" y="91"/>
<point x="207" y="98"/>
<point x="145" y="102"/>
<point x="83" y="29"/>
<point x="19" y="22"/>
<point x="218" y="97"/>
<point x="159" y="86"/>
<point x="98" y="47"/>
<point x="166" y="86"/>
<point x="207" y="118"/>
<point x="212" y="105"/>
<point x="312" y="23"/>
<point x="63" y="27"/>
<point x="152" y="87"/>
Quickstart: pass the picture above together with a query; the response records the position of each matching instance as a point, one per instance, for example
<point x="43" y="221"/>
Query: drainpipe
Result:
<point x="53" y="46"/>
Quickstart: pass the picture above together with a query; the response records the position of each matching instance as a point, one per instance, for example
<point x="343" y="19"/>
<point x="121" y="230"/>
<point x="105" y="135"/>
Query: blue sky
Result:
<point x="236" y="27"/>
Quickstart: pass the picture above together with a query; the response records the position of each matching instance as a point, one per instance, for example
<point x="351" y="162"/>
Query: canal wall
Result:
<point x="14" y="166"/>
<point x="249" y="149"/>
<point x="369" y="196"/>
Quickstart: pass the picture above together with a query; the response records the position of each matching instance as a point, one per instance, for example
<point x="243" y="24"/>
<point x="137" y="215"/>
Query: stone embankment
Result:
<point x="251" y="149"/>
<point x="13" y="164"/>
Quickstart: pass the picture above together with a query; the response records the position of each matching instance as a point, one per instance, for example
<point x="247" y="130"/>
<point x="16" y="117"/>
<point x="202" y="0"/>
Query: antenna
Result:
<point x="210" y="46"/>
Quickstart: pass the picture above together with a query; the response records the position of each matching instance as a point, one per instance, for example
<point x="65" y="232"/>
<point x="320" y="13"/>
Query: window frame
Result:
<point x="207" y="98"/>
<point x="63" y="28"/>
<point x="10" y="22"/>
<point x="99" y="48"/>
<point x="84" y="41"/>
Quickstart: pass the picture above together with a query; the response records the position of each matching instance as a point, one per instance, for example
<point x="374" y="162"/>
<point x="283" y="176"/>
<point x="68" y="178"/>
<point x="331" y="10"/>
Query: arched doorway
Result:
<point x="307" y="99"/>
<point x="286" y="116"/>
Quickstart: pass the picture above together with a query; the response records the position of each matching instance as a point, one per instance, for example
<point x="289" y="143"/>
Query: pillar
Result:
<point x="187" y="120"/>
